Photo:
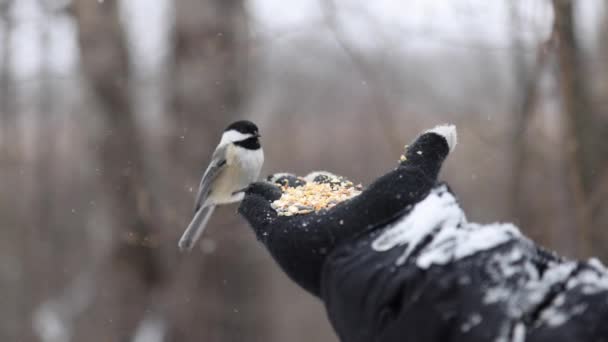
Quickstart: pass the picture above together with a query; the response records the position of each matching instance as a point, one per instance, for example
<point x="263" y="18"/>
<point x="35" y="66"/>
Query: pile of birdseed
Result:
<point x="322" y="192"/>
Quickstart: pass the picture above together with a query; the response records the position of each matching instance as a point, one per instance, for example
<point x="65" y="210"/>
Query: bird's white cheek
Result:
<point x="232" y="136"/>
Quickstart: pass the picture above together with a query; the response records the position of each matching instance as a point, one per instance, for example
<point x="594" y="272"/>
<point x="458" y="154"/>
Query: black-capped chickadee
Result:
<point x="235" y="164"/>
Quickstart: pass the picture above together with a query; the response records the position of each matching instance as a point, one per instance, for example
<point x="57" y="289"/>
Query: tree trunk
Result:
<point x="190" y="291"/>
<point x="208" y="83"/>
<point x="133" y="271"/>
<point x="587" y="131"/>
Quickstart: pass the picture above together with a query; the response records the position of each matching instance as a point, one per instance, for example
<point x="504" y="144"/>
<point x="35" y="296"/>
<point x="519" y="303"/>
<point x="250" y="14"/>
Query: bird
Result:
<point x="235" y="163"/>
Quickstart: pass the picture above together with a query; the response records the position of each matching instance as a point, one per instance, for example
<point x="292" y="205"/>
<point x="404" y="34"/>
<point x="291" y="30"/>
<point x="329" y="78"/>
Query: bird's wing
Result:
<point x="217" y="164"/>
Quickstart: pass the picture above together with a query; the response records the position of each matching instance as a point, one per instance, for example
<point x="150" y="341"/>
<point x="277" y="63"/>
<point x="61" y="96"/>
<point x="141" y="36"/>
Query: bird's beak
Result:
<point x="257" y="135"/>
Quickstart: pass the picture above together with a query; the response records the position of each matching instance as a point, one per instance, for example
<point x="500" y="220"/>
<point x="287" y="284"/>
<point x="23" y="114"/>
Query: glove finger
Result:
<point x="266" y="190"/>
<point x="256" y="205"/>
<point x="430" y="149"/>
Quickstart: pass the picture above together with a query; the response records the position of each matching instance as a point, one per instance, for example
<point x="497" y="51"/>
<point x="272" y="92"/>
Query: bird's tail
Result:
<point x="195" y="228"/>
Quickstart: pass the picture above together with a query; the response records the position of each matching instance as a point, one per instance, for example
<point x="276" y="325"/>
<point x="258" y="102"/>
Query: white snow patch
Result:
<point x="533" y="292"/>
<point x="453" y="244"/>
<point x="521" y="300"/>
<point x="519" y="333"/>
<point x="531" y="270"/>
<point x="558" y="273"/>
<point x="497" y="294"/>
<point x="439" y="214"/>
<point x="597" y="264"/>
<point x="434" y="212"/>
<point x="471" y="322"/>
<point x="536" y="290"/>
<point x="554" y="315"/>
<point x="592" y="281"/>
<point x="510" y="264"/>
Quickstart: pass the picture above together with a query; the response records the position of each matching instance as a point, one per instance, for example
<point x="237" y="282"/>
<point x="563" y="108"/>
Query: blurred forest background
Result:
<point x="109" y="111"/>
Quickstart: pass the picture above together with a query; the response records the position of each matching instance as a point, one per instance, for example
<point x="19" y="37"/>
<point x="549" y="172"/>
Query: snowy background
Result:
<point x="109" y="111"/>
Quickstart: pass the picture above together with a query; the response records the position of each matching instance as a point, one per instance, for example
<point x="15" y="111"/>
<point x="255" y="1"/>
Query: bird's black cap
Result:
<point x="243" y="126"/>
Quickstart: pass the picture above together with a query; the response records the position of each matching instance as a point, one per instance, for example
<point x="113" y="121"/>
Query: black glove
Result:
<point x="301" y="243"/>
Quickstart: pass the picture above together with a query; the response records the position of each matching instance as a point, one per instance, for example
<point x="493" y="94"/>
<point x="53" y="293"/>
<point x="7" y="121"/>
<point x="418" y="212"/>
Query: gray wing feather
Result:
<point x="217" y="164"/>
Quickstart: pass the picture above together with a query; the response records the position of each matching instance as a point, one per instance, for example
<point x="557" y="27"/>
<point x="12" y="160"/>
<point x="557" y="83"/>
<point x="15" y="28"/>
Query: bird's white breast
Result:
<point x="242" y="168"/>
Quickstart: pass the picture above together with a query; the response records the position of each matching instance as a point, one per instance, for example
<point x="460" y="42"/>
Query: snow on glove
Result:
<point x="300" y="243"/>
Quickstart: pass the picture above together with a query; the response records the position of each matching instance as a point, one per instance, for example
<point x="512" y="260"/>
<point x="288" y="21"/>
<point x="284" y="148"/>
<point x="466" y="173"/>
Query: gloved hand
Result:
<point x="400" y="262"/>
<point x="301" y="243"/>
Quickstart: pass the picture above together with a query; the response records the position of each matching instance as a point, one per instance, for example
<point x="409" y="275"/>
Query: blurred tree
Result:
<point x="527" y="79"/>
<point x="208" y="89"/>
<point x="588" y="128"/>
<point x="587" y="131"/>
<point x="7" y="114"/>
<point x="530" y="157"/>
<point x="210" y="50"/>
<point x="207" y="73"/>
<point x="17" y="304"/>
<point x="133" y="271"/>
